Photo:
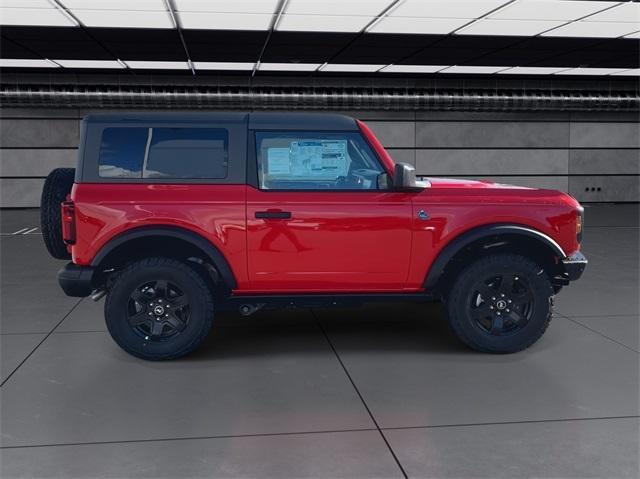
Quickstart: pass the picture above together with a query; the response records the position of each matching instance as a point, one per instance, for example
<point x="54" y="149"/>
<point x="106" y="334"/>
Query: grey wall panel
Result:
<point x="604" y="161"/>
<point x="456" y="134"/>
<point x="39" y="133"/>
<point x="39" y="162"/>
<point x="404" y="156"/>
<point x="549" y="182"/>
<point x="492" y="116"/>
<point x="20" y="193"/>
<point x="492" y="162"/>
<point x="39" y="113"/>
<point x="394" y="133"/>
<point x="612" y="188"/>
<point x="605" y="135"/>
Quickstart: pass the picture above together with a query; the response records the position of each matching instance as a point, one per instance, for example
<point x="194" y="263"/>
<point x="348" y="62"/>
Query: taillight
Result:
<point x="68" y="210"/>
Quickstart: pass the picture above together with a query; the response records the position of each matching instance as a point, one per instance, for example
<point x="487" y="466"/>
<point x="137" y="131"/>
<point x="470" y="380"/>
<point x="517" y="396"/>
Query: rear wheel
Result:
<point x="159" y="308"/>
<point x="500" y="304"/>
<point x="56" y="188"/>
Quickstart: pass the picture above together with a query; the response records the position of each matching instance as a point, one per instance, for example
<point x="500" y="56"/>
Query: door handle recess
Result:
<point x="277" y="215"/>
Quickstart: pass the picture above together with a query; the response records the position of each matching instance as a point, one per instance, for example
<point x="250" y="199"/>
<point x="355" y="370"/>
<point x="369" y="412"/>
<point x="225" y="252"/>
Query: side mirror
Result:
<point x="404" y="177"/>
<point x="384" y="181"/>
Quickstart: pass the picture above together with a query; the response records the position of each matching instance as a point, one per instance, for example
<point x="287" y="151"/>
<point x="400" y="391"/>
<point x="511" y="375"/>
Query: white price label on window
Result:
<point x="278" y="161"/>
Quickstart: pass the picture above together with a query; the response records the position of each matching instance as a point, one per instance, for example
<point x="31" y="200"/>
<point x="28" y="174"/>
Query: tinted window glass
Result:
<point x="315" y="161"/>
<point x="187" y="153"/>
<point x="122" y="152"/>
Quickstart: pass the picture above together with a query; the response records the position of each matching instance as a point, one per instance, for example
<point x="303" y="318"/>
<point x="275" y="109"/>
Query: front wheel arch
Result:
<point x="484" y="240"/>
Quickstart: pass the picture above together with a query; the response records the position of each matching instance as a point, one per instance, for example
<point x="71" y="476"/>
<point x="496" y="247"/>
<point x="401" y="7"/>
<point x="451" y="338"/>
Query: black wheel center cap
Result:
<point x="501" y="304"/>
<point x="158" y="310"/>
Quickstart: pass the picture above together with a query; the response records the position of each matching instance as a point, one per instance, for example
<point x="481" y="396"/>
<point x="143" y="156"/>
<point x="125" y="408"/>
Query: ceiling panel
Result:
<point x="337" y="7"/>
<point x="323" y="23"/>
<point x="145" y="5"/>
<point x="226" y="6"/>
<point x="48" y="16"/>
<point x="594" y="29"/>
<point x="225" y="21"/>
<point x="421" y="25"/>
<point x="446" y="8"/>
<point x="509" y="27"/>
<point x="550" y="10"/>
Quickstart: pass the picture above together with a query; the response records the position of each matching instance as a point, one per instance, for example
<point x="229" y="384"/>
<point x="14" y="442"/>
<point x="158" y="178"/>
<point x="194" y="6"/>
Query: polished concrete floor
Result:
<point x="380" y="391"/>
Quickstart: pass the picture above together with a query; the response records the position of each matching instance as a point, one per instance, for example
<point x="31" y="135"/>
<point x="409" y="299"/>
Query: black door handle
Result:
<point x="280" y="215"/>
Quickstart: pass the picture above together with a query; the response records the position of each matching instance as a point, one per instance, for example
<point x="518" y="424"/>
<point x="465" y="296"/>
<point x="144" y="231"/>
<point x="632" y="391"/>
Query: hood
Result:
<point x="487" y="191"/>
<point x="463" y="183"/>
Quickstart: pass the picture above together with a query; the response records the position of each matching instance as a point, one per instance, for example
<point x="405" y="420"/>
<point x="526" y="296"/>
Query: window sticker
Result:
<point x="278" y="161"/>
<point x="319" y="158"/>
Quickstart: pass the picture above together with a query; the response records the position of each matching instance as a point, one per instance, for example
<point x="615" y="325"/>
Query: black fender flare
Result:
<point x="213" y="254"/>
<point x="488" y="231"/>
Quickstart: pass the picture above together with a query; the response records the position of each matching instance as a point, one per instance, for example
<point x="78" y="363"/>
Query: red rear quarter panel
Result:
<point x="216" y="212"/>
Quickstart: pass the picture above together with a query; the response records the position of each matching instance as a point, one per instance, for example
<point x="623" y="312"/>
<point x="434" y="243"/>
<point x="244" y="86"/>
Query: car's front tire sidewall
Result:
<point x="471" y="334"/>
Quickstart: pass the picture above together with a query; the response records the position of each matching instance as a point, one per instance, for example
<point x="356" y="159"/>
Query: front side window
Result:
<point x="164" y="153"/>
<point x="315" y="161"/>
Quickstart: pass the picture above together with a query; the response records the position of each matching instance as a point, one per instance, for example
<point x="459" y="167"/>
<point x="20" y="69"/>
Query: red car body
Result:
<point x="335" y="241"/>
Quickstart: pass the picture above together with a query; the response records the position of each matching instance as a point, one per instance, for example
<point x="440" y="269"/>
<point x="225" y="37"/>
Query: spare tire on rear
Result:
<point x="56" y="188"/>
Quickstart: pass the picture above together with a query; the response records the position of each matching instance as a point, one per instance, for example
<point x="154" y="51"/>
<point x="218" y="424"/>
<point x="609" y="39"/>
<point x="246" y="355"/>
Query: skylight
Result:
<point x="304" y="67"/>
<point x="323" y="23"/>
<point x="225" y="21"/>
<point x="223" y="65"/>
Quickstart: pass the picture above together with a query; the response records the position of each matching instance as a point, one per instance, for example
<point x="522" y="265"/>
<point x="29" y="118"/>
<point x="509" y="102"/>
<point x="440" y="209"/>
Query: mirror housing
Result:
<point x="404" y="177"/>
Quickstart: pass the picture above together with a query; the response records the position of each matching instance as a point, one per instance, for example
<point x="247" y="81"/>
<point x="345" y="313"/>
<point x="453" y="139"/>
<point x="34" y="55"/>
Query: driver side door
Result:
<point x="317" y="220"/>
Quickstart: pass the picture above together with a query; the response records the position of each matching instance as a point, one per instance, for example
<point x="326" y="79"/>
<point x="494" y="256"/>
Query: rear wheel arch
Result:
<point x="175" y="242"/>
<point x="487" y="239"/>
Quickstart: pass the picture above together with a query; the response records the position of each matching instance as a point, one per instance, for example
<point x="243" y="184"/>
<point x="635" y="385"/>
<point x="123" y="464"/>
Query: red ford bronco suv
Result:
<point x="174" y="215"/>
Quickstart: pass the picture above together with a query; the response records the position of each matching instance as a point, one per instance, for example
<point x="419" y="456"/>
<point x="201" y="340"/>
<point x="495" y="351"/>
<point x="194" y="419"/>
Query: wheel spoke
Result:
<point x="179" y="302"/>
<point x="139" y="319"/>
<point x="481" y="311"/>
<point x="496" y="325"/>
<point x="176" y="323"/>
<point x="516" y="317"/>
<point x="485" y="291"/>
<point x="161" y="288"/>
<point x="139" y="297"/>
<point x="506" y="284"/>
<point x="522" y="297"/>
<point x="156" y="328"/>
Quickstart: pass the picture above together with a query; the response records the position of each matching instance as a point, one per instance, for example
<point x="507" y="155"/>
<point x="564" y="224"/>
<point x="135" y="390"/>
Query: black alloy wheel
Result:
<point x="158" y="310"/>
<point x="501" y="305"/>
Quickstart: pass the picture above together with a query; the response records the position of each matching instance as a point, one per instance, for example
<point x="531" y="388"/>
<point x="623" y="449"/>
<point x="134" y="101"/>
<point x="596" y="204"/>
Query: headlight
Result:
<point x="579" y="224"/>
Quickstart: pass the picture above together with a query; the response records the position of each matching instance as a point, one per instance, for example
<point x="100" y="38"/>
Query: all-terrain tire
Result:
<point x="56" y="188"/>
<point x="121" y="309"/>
<point x="483" y="335"/>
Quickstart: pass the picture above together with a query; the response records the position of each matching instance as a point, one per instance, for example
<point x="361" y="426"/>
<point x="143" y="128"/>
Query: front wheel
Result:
<point x="500" y="304"/>
<point x="159" y="308"/>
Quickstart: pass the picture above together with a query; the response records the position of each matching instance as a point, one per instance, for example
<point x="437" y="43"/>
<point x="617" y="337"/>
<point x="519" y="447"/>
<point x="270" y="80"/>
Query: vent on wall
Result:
<point x="325" y="98"/>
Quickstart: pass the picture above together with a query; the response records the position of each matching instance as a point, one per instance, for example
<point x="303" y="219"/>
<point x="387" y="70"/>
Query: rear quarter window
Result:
<point x="164" y="153"/>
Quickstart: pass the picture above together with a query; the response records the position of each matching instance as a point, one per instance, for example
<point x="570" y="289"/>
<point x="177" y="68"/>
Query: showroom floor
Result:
<point x="371" y="392"/>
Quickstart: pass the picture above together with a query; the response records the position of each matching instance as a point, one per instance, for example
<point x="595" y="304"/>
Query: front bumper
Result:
<point x="76" y="280"/>
<point x="574" y="265"/>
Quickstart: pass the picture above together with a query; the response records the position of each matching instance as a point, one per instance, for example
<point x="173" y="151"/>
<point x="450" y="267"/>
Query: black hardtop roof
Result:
<point x="256" y="120"/>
